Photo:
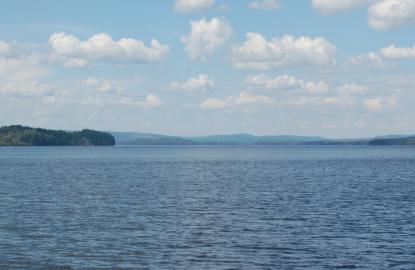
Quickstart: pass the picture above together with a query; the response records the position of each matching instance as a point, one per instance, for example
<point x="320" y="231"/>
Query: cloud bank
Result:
<point x="102" y="48"/>
<point x="259" y="53"/>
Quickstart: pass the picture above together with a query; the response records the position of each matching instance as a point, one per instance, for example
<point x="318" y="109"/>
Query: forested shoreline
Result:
<point x="26" y="136"/>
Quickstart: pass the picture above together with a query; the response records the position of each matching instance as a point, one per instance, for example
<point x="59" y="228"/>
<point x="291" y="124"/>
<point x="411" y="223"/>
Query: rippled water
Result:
<point x="207" y="208"/>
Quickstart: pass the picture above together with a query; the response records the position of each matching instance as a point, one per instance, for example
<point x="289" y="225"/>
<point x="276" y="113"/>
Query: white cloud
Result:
<point x="22" y="68"/>
<point x="265" y="4"/>
<point x="20" y="74"/>
<point x="258" y="53"/>
<point x="393" y="52"/>
<point x="206" y="36"/>
<point x="382" y="14"/>
<point x="279" y="83"/>
<point x="91" y="81"/>
<point x="150" y="101"/>
<point x="213" y="103"/>
<point x="384" y="59"/>
<point x="326" y="101"/>
<point x="346" y="96"/>
<point x="100" y="85"/>
<point x="378" y="104"/>
<point x="332" y="101"/>
<point x="369" y="60"/>
<point x="248" y="98"/>
<point x="75" y="63"/>
<point x="192" y="5"/>
<point x="244" y="98"/>
<point x="4" y="48"/>
<point x="374" y="104"/>
<point x="202" y="82"/>
<point x="315" y="87"/>
<point x="352" y="89"/>
<point x="24" y="88"/>
<point x="388" y="14"/>
<point x="287" y="82"/>
<point x="102" y="48"/>
<point x="108" y="92"/>
<point x="328" y="7"/>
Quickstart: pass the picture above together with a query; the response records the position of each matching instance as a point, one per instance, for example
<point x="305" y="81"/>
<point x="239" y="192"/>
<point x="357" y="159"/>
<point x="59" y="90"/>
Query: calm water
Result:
<point x="207" y="208"/>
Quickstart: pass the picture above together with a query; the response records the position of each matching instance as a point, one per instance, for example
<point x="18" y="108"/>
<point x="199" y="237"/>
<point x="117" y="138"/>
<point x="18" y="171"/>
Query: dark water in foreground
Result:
<point x="207" y="208"/>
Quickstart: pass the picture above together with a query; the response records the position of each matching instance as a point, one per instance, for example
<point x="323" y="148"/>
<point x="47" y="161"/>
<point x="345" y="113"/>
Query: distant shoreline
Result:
<point x="18" y="135"/>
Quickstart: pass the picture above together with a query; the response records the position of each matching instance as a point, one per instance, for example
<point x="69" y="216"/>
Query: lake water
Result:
<point x="189" y="207"/>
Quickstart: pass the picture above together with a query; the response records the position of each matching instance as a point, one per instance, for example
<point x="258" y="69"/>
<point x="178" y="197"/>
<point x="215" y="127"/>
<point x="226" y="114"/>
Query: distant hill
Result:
<point x="247" y="139"/>
<point x="27" y="136"/>
<point x="394" y="141"/>
<point x="161" y="141"/>
<point x="134" y="138"/>
<point x="391" y="137"/>
<point x="131" y="138"/>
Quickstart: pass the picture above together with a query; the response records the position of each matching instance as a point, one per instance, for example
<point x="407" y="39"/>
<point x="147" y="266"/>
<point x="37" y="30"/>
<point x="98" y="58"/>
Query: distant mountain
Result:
<point x="131" y="138"/>
<point x="27" y="136"/>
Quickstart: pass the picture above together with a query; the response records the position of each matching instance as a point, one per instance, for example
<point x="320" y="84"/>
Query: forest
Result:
<point x="26" y="136"/>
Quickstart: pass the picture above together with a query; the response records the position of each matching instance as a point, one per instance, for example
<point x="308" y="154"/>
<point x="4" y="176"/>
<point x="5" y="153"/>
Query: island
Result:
<point x="18" y="135"/>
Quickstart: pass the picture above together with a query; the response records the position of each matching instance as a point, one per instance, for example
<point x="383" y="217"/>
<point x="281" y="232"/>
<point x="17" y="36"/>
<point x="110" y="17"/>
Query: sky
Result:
<point x="333" y="68"/>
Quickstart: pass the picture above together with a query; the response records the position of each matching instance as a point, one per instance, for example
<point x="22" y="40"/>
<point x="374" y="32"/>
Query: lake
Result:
<point x="207" y="207"/>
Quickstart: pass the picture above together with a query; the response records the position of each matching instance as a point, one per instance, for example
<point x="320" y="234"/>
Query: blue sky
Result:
<point x="331" y="68"/>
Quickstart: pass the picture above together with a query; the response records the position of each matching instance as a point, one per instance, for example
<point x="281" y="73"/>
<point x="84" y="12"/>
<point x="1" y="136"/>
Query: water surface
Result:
<point x="207" y="207"/>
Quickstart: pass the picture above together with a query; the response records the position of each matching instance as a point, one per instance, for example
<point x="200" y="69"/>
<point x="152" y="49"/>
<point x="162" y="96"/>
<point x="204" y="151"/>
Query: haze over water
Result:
<point x="190" y="207"/>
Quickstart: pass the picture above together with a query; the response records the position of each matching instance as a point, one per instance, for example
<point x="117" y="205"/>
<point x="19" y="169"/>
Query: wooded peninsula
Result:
<point x="26" y="136"/>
